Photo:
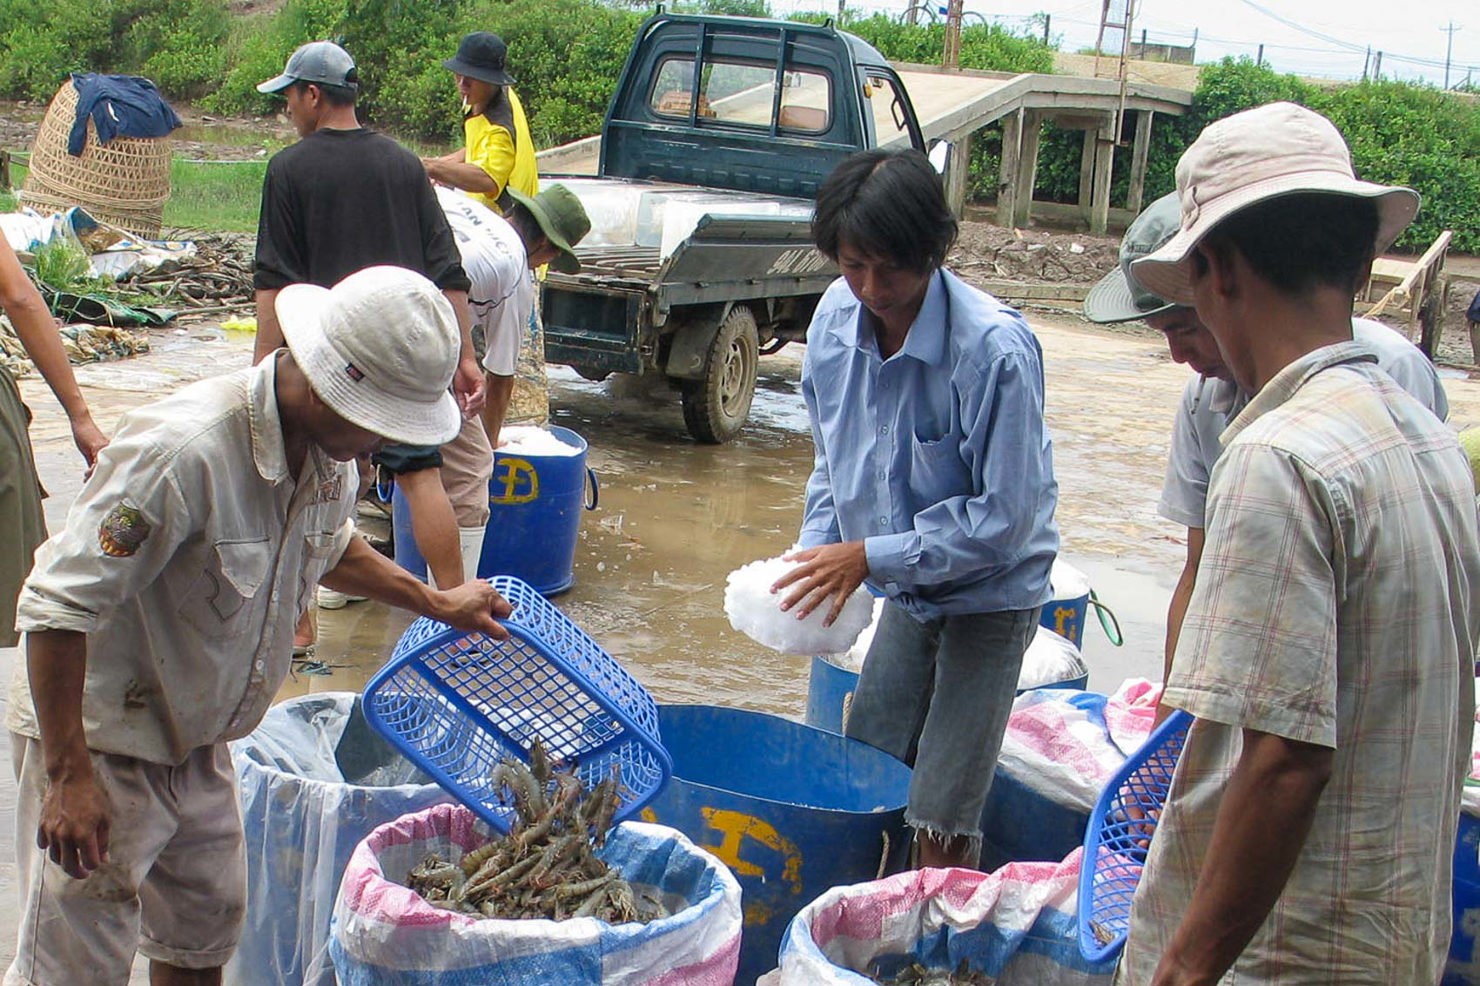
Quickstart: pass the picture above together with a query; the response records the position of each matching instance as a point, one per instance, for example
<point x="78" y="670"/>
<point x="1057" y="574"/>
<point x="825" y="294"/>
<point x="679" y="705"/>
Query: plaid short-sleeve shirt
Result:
<point x="1335" y="605"/>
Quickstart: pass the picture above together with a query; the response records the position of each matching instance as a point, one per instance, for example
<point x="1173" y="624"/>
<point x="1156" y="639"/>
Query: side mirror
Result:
<point x="940" y="155"/>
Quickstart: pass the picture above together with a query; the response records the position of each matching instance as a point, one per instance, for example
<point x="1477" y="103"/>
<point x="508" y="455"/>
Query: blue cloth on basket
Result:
<point x="120" y="106"/>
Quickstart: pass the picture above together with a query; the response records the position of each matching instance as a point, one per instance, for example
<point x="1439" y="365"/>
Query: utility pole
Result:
<point x="1377" y="68"/>
<point x="1259" y="58"/>
<point x="951" y="57"/>
<point x="1366" y="63"/>
<point x="1047" y="20"/>
<point x="1448" y="50"/>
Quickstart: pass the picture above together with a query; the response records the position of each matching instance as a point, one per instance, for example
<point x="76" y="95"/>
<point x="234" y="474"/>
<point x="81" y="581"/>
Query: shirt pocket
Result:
<point x="937" y="471"/>
<point x="222" y="601"/>
<point x="318" y="547"/>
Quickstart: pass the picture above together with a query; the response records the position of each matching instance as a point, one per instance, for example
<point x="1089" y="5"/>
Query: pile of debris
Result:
<point x="216" y="278"/>
<point x="83" y="343"/>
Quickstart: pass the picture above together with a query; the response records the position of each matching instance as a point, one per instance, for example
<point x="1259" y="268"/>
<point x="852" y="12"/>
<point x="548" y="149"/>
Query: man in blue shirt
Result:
<point x="933" y="481"/>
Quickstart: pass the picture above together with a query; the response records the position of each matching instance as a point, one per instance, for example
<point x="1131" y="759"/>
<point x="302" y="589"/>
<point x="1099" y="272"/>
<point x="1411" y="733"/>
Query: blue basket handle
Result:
<point x="595" y="489"/>
<point x="383" y="487"/>
<point x="1112" y="626"/>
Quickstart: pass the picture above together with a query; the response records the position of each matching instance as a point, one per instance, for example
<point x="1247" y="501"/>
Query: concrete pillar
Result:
<point x="1008" y="182"/>
<point x="1099" y="217"/>
<point x="1027" y="167"/>
<point x="956" y="173"/>
<point x="1139" y="151"/>
<point x="1087" y="173"/>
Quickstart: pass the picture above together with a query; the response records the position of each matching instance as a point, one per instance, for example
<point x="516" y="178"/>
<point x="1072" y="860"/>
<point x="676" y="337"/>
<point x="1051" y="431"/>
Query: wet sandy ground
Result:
<point x="676" y="517"/>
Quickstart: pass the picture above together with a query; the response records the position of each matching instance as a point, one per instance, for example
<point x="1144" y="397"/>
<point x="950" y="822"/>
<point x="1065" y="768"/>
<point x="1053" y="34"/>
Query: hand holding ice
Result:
<point x="756" y="612"/>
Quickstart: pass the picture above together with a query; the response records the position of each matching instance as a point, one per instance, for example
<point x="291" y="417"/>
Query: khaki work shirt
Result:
<point x="187" y="560"/>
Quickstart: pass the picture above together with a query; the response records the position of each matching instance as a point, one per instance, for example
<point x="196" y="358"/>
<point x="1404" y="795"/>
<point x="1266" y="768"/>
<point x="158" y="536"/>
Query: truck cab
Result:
<point x="700" y="257"/>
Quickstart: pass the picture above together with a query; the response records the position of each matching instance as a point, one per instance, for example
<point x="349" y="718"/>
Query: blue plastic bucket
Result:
<point x="790" y="809"/>
<point x="1065" y="617"/>
<point x="1463" y="968"/>
<point x="534" y="520"/>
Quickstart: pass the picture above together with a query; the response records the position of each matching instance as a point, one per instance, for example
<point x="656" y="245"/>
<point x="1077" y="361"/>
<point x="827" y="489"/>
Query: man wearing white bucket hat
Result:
<point x="160" y="621"/>
<point x="1211" y="399"/>
<point x="1328" y="646"/>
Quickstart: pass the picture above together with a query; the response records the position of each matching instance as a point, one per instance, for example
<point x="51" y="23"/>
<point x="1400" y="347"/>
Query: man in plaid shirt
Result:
<point x="1328" y="647"/>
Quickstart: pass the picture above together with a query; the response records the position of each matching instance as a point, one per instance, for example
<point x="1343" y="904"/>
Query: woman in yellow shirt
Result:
<point x="498" y="152"/>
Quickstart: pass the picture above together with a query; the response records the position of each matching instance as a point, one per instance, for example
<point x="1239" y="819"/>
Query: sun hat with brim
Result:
<point x="561" y="218"/>
<point x="481" y="56"/>
<point x="379" y="348"/>
<point x="322" y="62"/>
<point x="1119" y="297"/>
<point x="1274" y="150"/>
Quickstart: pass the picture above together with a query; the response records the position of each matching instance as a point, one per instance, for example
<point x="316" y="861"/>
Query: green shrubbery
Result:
<point x="177" y="43"/>
<point x="567" y="55"/>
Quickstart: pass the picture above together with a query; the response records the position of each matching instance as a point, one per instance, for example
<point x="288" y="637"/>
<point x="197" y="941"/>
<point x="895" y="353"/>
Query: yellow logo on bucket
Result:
<point x="520" y="480"/>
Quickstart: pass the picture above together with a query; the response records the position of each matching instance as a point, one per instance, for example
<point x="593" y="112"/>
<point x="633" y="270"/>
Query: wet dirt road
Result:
<point x="675" y="517"/>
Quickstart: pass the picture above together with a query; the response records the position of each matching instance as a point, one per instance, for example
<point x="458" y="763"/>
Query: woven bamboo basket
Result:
<point x="125" y="183"/>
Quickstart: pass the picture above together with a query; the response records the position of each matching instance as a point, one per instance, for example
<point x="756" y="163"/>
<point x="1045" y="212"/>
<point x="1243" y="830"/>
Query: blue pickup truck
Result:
<point x="700" y="260"/>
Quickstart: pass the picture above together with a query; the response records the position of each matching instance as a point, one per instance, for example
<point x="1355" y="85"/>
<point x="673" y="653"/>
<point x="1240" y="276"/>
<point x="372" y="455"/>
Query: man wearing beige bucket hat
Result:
<point x="1328" y="646"/>
<point x="1211" y="399"/>
<point x="160" y="621"/>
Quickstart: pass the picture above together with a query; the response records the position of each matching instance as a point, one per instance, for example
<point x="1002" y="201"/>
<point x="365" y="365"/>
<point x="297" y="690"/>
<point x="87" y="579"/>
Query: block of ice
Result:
<point x="533" y="440"/>
<point x="756" y="612"/>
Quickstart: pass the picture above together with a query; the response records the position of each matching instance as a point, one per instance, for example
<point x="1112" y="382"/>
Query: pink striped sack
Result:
<point x="385" y="935"/>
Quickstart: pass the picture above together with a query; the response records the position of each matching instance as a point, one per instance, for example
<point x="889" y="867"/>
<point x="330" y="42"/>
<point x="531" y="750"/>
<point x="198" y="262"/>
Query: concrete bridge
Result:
<point x="955" y="104"/>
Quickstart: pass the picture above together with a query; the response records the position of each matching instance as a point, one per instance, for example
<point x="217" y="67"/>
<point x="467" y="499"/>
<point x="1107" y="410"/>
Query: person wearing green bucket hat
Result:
<point x="537" y="230"/>
<point x="1211" y="399"/>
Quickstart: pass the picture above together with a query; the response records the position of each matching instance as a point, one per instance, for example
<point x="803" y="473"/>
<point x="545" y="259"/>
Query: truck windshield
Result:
<point x="742" y="94"/>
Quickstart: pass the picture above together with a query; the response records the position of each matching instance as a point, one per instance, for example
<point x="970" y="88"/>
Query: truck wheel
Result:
<point x="715" y="406"/>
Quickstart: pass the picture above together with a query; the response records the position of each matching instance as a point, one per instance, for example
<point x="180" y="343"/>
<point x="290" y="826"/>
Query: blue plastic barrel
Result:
<point x="534" y="520"/>
<point x="792" y="810"/>
<point x="1463" y="968"/>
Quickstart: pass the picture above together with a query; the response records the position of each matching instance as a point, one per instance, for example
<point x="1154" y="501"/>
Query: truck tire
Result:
<point x="716" y="405"/>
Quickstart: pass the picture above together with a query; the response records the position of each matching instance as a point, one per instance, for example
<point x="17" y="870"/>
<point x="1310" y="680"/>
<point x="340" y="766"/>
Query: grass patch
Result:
<point x="217" y="196"/>
<point x="212" y="196"/>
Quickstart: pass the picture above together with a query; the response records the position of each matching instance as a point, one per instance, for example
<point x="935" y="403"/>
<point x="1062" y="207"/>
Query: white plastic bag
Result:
<point x="756" y="612"/>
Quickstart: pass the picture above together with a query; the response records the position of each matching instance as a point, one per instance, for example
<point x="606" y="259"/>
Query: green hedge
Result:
<point x="568" y="53"/>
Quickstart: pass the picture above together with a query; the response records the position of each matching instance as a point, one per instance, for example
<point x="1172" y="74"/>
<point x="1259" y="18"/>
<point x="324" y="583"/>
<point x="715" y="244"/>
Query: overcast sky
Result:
<point x="1327" y="38"/>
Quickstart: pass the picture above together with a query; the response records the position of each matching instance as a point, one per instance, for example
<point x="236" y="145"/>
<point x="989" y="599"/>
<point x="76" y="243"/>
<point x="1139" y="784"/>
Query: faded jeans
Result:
<point x="936" y="695"/>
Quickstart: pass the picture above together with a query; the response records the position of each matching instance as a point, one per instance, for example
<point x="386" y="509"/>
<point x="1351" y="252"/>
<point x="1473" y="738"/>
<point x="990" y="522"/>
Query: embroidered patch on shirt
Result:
<point x="329" y="490"/>
<point x="122" y="531"/>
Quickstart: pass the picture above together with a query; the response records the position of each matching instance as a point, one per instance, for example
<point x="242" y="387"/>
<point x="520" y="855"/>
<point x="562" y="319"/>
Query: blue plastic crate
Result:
<point x="457" y="703"/>
<point x="1119" y="835"/>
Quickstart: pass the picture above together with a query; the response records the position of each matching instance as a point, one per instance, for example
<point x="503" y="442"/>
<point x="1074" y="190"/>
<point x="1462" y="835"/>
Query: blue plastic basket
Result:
<point x="457" y="703"/>
<point x="1119" y="835"/>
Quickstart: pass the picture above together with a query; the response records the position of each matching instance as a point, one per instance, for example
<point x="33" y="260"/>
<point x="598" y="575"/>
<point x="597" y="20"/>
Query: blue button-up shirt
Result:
<point x="937" y="458"/>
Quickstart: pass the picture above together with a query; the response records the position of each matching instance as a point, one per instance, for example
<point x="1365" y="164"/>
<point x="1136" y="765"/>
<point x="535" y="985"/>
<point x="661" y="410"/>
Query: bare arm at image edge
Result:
<point x="37" y="331"/>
